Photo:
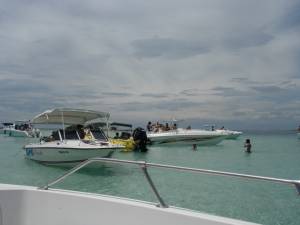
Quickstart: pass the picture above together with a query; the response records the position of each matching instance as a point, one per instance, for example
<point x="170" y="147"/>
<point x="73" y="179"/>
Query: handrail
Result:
<point x="144" y="166"/>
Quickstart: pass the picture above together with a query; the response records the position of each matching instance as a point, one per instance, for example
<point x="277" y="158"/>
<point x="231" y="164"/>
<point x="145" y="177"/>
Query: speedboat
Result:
<point x="186" y="136"/>
<point x="66" y="146"/>
<point x="230" y="134"/>
<point x="20" y="129"/>
<point x="21" y="205"/>
<point x="5" y="126"/>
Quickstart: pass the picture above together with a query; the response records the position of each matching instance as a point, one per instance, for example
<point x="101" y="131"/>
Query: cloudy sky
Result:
<point x="233" y="62"/>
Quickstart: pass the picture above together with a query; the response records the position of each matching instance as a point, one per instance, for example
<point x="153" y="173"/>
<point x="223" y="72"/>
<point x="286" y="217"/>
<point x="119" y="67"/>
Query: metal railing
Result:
<point x="144" y="166"/>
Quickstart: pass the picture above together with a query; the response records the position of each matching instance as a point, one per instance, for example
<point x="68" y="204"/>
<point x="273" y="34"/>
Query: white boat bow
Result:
<point x="186" y="136"/>
<point x="21" y="205"/>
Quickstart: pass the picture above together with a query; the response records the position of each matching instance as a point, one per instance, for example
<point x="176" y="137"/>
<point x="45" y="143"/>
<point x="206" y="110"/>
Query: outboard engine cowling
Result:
<point x="140" y="138"/>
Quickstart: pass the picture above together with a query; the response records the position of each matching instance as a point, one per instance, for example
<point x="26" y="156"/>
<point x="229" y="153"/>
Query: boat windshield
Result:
<point x="75" y="133"/>
<point x="71" y="135"/>
<point x="99" y="134"/>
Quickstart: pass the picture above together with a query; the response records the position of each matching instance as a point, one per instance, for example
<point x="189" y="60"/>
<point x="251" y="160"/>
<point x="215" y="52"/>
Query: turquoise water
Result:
<point x="275" y="155"/>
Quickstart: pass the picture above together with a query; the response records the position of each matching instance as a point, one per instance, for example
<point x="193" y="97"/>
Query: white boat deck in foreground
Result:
<point x="23" y="205"/>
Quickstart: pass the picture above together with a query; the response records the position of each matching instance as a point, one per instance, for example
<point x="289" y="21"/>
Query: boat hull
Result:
<point x="185" y="137"/>
<point x="67" y="152"/>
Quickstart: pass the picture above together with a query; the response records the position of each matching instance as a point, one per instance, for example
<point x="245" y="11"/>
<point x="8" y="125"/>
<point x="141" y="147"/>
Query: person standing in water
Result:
<point x="248" y="146"/>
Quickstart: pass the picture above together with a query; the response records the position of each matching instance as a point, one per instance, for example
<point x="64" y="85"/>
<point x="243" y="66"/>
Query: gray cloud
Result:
<point x="245" y="40"/>
<point x="268" y="89"/>
<point x="291" y="19"/>
<point x="190" y="92"/>
<point x="229" y="92"/>
<point x="244" y="80"/>
<point x="278" y="94"/>
<point x="140" y="59"/>
<point x="168" y="105"/>
<point x="156" y="95"/>
<point x="168" y="47"/>
<point x="116" y="94"/>
<point x="21" y="86"/>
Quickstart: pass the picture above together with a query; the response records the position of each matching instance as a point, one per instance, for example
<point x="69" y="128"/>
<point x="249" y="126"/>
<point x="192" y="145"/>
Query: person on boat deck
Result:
<point x="189" y="127"/>
<point x="222" y="128"/>
<point x="248" y="146"/>
<point x="80" y="131"/>
<point x="88" y="135"/>
<point x="212" y="128"/>
<point x="149" y="126"/>
<point x="117" y="136"/>
<point x="299" y="128"/>
<point x="161" y="128"/>
<point x="167" y="128"/>
<point x="174" y="127"/>
<point x="156" y="127"/>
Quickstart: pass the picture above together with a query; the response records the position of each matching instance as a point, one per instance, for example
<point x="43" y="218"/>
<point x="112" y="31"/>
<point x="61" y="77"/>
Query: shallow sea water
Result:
<point x="274" y="154"/>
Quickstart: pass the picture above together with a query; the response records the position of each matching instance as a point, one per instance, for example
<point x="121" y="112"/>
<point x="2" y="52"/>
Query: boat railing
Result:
<point x="144" y="165"/>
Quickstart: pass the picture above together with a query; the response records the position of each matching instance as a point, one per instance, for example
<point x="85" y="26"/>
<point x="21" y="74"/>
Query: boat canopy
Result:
<point x="68" y="116"/>
<point x="20" y="122"/>
<point x="101" y="123"/>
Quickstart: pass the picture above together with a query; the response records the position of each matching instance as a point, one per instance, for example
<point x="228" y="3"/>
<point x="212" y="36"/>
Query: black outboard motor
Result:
<point x="140" y="138"/>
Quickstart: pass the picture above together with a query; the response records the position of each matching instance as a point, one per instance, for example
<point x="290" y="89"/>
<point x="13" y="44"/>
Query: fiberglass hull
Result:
<point x="67" y="152"/>
<point x="185" y="137"/>
<point x="21" y="205"/>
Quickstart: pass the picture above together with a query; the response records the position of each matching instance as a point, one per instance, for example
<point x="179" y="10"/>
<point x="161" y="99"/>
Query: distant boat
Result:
<point x="67" y="145"/>
<point x="182" y="136"/>
<point x="20" y="129"/>
<point x="5" y="126"/>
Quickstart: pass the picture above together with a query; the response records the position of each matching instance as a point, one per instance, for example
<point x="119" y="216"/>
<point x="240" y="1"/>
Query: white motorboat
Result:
<point x="21" y="129"/>
<point x="186" y="136"/>
<point x="5" y="126"/>
<point x="21" y="205"/>
<point x="67" y="145"/>
<point x="231" y="134"/>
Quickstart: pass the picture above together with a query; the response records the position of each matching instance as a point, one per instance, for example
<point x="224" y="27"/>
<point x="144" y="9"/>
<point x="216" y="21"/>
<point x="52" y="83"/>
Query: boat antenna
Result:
<point x="63" y="124"/>
<point x="107" y="118"/>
